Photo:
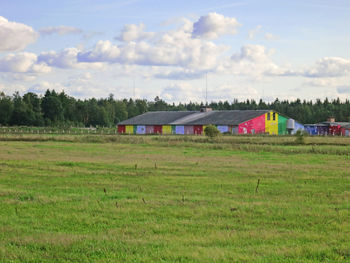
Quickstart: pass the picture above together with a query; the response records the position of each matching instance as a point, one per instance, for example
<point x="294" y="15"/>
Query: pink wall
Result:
<point x="257" y="124"/>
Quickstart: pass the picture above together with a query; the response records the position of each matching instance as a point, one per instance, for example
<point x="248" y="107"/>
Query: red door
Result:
<point x="198" y="129"/>
<point x="158" y="129"/>
<point x="121" y="128"/>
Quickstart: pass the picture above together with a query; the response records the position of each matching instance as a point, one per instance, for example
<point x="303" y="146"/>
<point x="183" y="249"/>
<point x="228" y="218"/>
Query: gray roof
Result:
<point x="229" y="117"/>
<point x="327" y="123"/>
<point x="156" y="118"/>
<point x="232" y="117"/>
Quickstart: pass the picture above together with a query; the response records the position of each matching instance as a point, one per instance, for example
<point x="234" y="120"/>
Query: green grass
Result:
<point x="174" y="199"/>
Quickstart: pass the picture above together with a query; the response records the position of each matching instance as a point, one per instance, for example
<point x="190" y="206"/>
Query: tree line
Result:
<point x="60" y="109"/>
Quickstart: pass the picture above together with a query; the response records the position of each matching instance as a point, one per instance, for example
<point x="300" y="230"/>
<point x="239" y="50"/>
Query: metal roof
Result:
<point x="230" y="117"/>
<point x="156" y="118"/>
<point x="327" y="124"/>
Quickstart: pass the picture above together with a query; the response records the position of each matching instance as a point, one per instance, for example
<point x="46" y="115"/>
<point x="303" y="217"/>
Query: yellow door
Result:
<point x="271" y="122"/>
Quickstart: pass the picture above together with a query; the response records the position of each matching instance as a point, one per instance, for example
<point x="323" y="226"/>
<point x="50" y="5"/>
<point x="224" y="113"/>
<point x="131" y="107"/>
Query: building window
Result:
<point x="274" y="116"/>
<point x="268" y="116"/>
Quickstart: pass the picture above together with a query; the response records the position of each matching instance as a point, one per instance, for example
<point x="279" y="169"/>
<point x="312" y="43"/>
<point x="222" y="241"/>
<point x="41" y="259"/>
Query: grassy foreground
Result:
<point x="172" y="199"/>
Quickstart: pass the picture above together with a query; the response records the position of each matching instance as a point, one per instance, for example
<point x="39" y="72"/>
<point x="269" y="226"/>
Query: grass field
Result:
<point x="174" y="199"/>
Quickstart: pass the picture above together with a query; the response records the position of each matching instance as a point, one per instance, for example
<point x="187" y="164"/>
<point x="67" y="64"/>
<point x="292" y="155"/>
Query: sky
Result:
<point x="244" y="49"/>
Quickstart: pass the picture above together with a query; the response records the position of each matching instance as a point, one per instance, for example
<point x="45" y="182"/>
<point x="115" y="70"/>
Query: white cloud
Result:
<point x="214" y="25"/>
<point x="10" y="89"/>
<point x="172" y="48"/>
<point x="329" y="67"/>
<point x="60" y="30"/>
<point x="254" y="61"/>
<point x="253" y="32"/>
<point x="42" y="87"/>
<point x="182" y="92"/>
<point x="180" y="74"/>
<point x="321" y="82"/>
<point x="15" y="36"/>
<point x="104" y="51"/>
<point x="67" y="58"/>
<point x="134" y="33"/>
<point x="269" y="36"/>
<point x="230" y="92"/>
<point x="343" y="89"/>
<point x="23" y="62"/>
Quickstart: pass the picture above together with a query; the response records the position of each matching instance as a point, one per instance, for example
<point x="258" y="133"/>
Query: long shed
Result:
<point x="194" y="122"/>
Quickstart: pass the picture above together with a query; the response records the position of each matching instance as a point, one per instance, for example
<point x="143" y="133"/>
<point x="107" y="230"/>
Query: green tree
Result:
<point x="6" y="109"/>
<point x="211" y="131"/>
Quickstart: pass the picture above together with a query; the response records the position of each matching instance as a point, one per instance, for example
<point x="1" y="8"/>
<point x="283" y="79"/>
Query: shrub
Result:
<point x="300" y="137"/>
<point x="211" y="131"/>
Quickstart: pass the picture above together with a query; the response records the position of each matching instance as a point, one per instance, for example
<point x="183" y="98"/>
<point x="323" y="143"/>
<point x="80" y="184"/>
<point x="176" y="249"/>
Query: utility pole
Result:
<point x="206" y="89"/>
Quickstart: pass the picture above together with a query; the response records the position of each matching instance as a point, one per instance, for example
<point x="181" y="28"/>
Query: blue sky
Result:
<point x="248" y="49"/>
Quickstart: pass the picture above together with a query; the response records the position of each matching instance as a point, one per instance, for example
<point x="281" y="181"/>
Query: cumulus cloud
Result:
<point x="230" y="92"/>
<point x="104" y="51"/>
<point x="329" y="67"/>
<point x="172" y="48"/>
<point x="42" y="87"/>
<point x="214" y="25"/>
<point x="180" y="74"/>
<point x="134" y="33"/>
<point x="269" y="36"/>
<point x="255" y="61"/>
<point x="60" y="30"/>
<point x="10" y="89"/>
<point x="253" y="32"/>
<point x="343" y="89"/>
<point x="321" y="82"/>
<point x="23" y="62"/>
<point x="182" y="92"/>
<point x="67" y="58"/>
<point x="15" y="36"/>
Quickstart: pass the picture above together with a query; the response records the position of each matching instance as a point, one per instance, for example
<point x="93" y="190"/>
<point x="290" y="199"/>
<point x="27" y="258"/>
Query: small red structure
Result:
<point x="198" y="129"/>
<point x="121" y="128"/>
<point x="334" y="129"/>
<point x="157" y="129"/>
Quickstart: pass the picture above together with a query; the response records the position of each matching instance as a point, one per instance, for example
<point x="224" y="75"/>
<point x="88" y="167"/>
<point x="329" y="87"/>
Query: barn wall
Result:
<point x="297" y="127"/>
<point x="253" y="126"/>
<point x="347" y="132"/>
<point x="282" y="125"/>
<point x="188" y="129"/>
<point x="157" y="129"/>
<point x="149" y="129"/>
<point x="129" y="129"/>
<point x="121" y="128"/>
<point x="179" y="129"/>
<point x="312" y="130"/>
<point x="271" y="125"/>
<point x="334" y="130"/>
<point x="223" y="128"/>
<point x="167" y="129"/>
<point x="198" y="129"/>
<point x="140" y="129"/>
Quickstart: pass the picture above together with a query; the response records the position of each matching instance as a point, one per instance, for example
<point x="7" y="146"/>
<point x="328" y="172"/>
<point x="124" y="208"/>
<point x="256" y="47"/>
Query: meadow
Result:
<point x="118" y="198"/>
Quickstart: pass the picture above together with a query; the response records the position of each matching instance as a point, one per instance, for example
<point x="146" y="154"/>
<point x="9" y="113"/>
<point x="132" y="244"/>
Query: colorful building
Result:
<point x="194" y="122"/>
<point x="329" y="127"/>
